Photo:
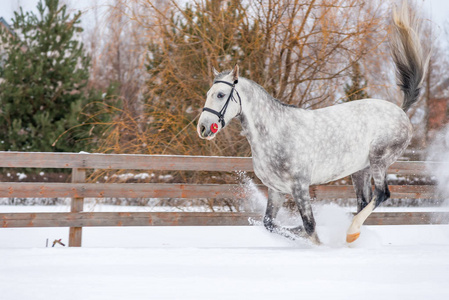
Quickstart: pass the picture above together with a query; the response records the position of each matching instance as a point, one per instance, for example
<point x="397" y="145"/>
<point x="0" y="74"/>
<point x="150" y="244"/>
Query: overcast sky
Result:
<point x="438" y="9"/>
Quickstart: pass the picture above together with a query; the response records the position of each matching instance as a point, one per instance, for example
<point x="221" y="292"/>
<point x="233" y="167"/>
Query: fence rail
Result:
<point x="89" y="219"/>
<point x="181" y="190"/>
<point x="78" y="189"/>
<point x="160" y="162"/>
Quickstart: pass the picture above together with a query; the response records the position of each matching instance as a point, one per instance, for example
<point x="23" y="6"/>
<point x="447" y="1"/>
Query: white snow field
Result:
<point x="244" y="262"/>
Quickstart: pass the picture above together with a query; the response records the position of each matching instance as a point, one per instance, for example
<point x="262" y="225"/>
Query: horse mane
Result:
<point x="259" y="88"/>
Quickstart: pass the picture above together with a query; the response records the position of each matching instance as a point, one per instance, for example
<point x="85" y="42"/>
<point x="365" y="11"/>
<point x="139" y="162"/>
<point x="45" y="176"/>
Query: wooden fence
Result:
<point x="78" y="189"/>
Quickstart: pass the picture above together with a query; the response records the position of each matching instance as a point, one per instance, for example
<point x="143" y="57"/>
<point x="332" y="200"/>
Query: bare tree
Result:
<point x="119" y="48"/>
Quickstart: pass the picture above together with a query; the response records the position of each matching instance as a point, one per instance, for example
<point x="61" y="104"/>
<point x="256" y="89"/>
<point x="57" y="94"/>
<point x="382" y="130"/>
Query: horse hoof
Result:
<point x="315" y="240"/>
<point x="352" y="237"/>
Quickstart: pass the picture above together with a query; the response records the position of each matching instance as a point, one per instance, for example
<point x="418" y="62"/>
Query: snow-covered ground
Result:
<point x="387" y="262"/>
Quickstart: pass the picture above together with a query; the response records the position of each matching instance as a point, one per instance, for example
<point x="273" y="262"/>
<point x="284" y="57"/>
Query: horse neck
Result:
<point x="262" y="115"/>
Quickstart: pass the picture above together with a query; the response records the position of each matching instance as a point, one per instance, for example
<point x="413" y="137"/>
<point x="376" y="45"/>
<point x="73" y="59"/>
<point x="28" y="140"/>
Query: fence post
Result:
<point x="77" y="205"/>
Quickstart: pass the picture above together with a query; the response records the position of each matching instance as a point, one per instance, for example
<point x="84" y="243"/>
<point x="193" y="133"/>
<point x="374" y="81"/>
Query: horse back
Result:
<point x="346" y="134"/>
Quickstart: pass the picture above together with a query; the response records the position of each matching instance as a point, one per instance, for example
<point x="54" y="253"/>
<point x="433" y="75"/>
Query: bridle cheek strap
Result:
<point x="220" y="114"/>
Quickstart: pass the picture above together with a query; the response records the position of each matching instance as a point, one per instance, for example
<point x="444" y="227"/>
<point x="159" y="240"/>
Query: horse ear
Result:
<point x="235" y="73"/>
<point x="215" y="71"/>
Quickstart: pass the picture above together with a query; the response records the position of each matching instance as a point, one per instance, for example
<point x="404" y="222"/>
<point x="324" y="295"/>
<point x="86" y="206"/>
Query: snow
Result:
<point x="392" y="177"/>
<point x="235" y="262"/>
<point x="21" y="176"/>
<point x="167" y="177"/>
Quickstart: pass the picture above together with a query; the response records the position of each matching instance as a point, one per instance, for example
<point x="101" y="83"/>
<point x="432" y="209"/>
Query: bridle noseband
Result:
<point x="220" y="114"/>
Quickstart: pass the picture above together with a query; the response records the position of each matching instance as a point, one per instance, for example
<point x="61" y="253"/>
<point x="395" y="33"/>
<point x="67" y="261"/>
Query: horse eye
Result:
<point x="220" y="95"/>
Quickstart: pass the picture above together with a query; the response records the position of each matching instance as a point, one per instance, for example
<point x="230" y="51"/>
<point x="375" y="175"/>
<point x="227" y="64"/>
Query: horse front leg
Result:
<point x="274" y="203"/>
<point x="301" y="196"/>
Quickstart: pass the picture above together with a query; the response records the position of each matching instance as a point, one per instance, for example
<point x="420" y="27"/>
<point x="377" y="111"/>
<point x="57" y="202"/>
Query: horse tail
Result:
<point x="408" y="55"/>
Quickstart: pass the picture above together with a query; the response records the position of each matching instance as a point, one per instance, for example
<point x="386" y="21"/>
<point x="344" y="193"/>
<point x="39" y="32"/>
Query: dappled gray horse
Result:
<point x="360" y="138"/>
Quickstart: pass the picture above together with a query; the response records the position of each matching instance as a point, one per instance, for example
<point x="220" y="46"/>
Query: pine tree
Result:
<point x="43" y="89"/>
<point x="357" y="89"/>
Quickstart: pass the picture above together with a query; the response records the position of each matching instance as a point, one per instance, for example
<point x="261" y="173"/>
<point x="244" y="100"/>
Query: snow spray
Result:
<point x="332" y="220"/>
<point x="438" y="151"/>
<point x="256" y="201"/>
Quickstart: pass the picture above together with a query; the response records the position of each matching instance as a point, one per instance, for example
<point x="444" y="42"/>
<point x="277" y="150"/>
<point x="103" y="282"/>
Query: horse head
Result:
<point x="223" y="103"/>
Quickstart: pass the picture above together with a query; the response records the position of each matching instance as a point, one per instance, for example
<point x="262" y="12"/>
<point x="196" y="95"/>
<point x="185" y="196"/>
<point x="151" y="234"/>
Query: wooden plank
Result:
<point x="180" y="190"/>
<point x="416" y="168"/>
<point x="77" y="205"/>
<point x="321" y="192"/>
<point x="407" y="218"/>
<point x="84" y="219"/>
<point x="124" y="190"/>
<point x="42" y="160"/>
<point x="162" y="162"/>
<point x="124" y="161"/>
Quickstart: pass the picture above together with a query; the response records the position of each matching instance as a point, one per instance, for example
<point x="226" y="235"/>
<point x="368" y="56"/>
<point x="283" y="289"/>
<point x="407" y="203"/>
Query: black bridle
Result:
<point x="220" y="114"/>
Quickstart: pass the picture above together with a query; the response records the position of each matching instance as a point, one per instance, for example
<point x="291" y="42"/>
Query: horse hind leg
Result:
<point x="362" y="186"/>
<point x="381" y="193"/>
<point x="380" y="159"/>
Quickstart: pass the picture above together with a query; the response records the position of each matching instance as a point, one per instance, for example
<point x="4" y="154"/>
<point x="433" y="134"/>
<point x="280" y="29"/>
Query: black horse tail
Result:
<point x="408" y="56"/>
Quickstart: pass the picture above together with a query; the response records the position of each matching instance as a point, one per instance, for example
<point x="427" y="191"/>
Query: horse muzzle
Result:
<point x="206" y="131"/>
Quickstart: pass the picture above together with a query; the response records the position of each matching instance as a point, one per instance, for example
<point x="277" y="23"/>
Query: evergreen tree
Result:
<point x="357" y="89"/>
<point x="44" y="77"/>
